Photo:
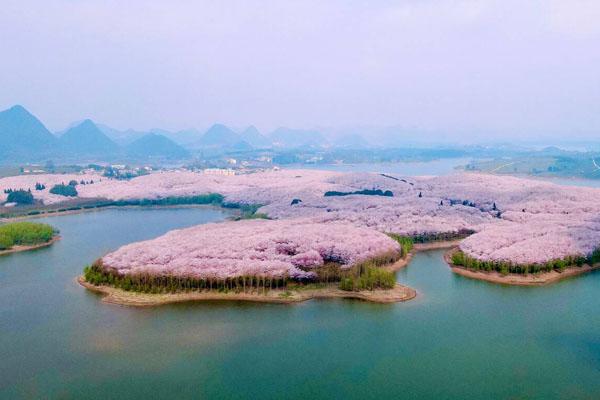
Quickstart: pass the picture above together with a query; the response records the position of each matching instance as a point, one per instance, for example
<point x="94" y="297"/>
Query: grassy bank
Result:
<point x="24" y="234"/>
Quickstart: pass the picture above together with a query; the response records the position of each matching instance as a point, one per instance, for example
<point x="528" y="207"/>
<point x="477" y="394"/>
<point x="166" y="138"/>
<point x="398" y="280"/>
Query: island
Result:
<point x="513" y="229"/>
<point x="254" y="260"/>
<point x="23" y="236"/>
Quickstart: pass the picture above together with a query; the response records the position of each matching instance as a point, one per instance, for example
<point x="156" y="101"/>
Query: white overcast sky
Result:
<point x="515" y="68"/>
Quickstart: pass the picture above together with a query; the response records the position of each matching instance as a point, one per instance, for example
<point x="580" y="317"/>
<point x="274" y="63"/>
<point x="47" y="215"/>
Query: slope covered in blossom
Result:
<point x="275" y="249"/>
<point x="515" y="219"/>
<point x="27" y="182"/>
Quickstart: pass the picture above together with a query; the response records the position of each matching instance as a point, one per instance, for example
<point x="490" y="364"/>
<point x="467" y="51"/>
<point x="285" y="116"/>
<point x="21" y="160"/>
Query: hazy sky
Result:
<point x="522" y="68"/>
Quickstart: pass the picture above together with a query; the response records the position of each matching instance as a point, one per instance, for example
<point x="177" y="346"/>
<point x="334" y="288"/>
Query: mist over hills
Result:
<point x="24" y="138"/>
<point x="122" y="138"/>
<point x="287" y="137"/>
<point x="218" y="135"/>
<point x="183" y="137"/>
<point x="252" y="136"/>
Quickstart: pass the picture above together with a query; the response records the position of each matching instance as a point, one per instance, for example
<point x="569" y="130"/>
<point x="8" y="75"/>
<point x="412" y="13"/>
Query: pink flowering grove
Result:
<point x="515" y="219"/>
<point x="271" y="248"/>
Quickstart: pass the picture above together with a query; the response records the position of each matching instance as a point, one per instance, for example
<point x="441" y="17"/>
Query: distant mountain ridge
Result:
<point x="87" y="139"/>
<point x="22" y="134"/>
<point x="252" y="136"/>
<point x="122" y="138"/>
<point x="23" y="137"/>
<point x="219" y="135"/>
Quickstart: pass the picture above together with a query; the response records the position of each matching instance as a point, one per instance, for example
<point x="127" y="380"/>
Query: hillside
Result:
<point x="252" y="136"/>
<point x="86" y="139"/>
<point x="219" y="135"/>
<point x="22" y="135"/>
<point x="154" y="145"/>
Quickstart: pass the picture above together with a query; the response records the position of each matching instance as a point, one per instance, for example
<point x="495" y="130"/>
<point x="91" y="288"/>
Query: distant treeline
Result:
<point x="367" y="192"/>
<point x="441" y="236"/>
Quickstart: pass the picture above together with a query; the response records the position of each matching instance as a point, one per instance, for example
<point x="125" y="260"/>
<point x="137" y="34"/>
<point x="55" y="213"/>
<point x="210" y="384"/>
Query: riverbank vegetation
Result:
<point x="367" y="275"/>
<point x="24" y="234"/>
<point x="461" y="259"/>
<point x="406" y="243"/>
<point x="77" y="204"/>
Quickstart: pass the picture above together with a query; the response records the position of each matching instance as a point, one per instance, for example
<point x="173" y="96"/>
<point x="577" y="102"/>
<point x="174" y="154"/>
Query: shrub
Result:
<point x="458" y="258"/>
<point x="20" y="197"/>
<point x="64" y="190"/>
<point x="406" y="242"/>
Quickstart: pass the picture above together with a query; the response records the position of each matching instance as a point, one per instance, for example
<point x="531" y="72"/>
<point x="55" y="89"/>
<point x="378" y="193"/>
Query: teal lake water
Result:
<point x="459" y="339"/>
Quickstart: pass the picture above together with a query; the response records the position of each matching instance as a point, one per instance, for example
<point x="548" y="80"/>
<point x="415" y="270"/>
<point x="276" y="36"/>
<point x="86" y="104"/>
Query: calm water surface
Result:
<point x="442" y="166"/>
<point x="460" y="339"/>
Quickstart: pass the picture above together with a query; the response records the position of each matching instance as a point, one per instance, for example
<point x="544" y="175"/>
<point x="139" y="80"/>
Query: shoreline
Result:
<point x="399" y="293"/>
<point x="20" y="248"/>
<point x="418" y="247"/>
<point x="97" y="209"/>
<point x="111" y="295"/>
<point x="539" y="279"/>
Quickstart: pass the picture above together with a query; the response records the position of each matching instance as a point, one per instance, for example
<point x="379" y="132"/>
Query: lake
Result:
<point x="442" y="166"/>
<point x="458" y="339"/>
